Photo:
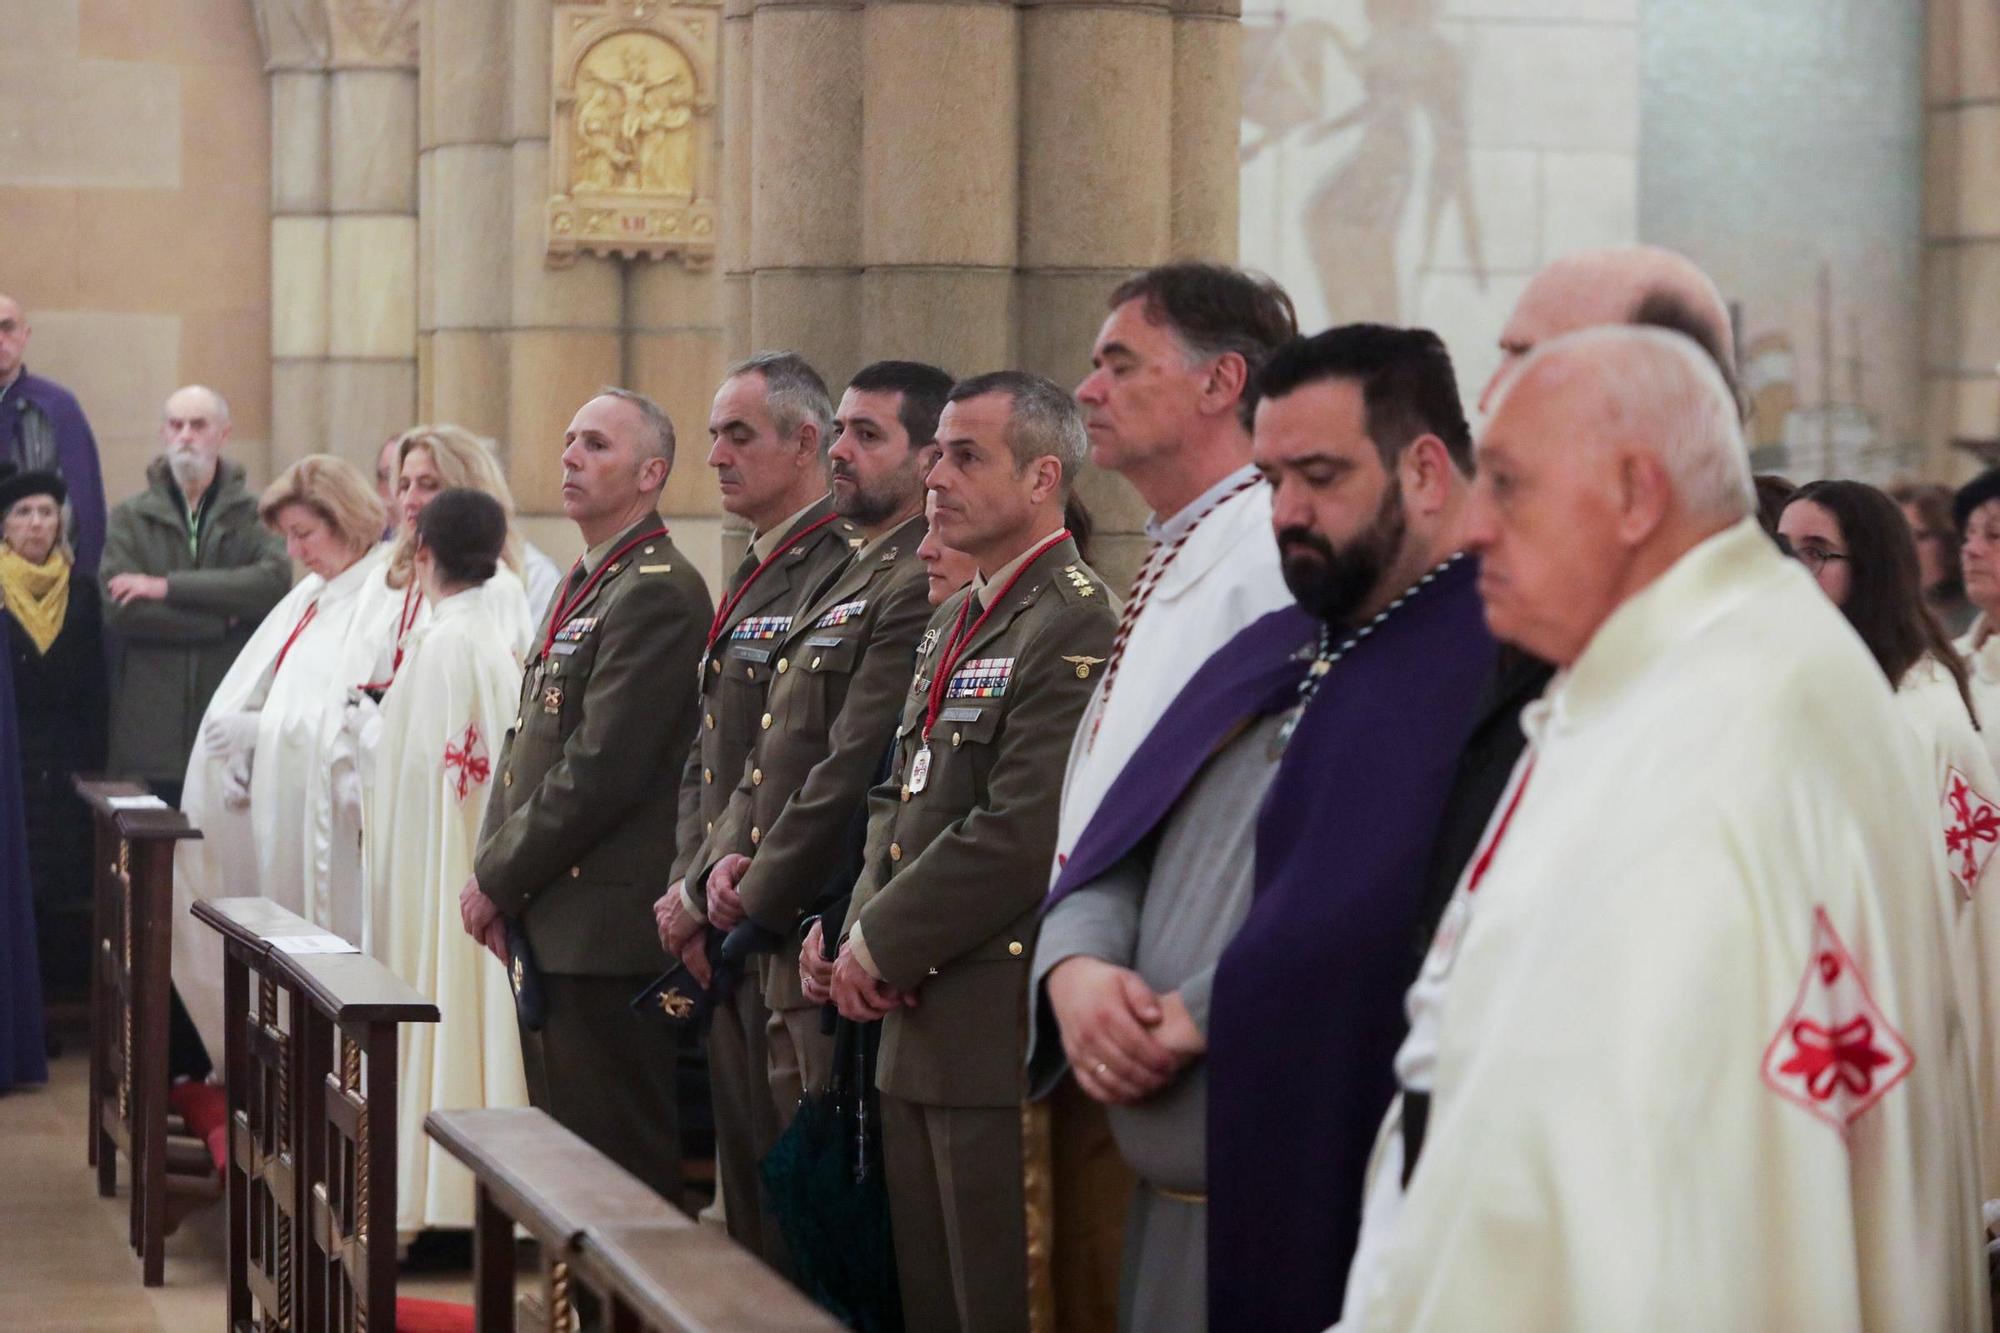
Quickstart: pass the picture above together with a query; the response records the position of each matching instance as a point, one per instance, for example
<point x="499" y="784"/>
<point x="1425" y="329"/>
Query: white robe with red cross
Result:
<point x="1700" y="1060"/>
<point x="443" y="721"/>
<point x="1969" y="822"/>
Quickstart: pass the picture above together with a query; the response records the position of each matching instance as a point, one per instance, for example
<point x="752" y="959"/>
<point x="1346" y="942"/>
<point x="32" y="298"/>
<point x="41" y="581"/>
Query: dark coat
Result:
<point x="173" y="653"/>
<point x="61" y="699"/>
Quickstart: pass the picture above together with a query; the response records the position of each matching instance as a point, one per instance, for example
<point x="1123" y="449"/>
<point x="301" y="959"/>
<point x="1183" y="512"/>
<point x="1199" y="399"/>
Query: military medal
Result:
<point x="920" y="769"/>
<point x="552" y="700"/>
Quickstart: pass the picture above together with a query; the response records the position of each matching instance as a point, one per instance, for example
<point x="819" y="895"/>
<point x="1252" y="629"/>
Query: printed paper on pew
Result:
<point x="148" y="802"/>
<point x="312" y="944"/>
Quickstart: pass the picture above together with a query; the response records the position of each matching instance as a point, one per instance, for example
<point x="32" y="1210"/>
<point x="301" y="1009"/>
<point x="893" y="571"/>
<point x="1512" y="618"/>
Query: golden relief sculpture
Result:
<point x="632" y="130"/>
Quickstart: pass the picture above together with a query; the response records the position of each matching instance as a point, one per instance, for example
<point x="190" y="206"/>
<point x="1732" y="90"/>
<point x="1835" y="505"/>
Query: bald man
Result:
<point x="1626" y="284"/>
<point x="43" y="429"/>
<point x="1684" y="1055"/>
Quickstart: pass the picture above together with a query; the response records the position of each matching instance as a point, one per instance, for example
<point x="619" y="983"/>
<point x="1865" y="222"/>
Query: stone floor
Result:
<point x="64" y="1261"/>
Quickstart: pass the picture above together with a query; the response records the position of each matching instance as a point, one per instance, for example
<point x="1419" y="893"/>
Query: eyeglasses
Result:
<point x="1814" y="558"/>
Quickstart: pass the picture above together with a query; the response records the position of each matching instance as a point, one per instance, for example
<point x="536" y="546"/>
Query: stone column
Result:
<point x="1961" y="257"/>
<point x="344" y="225"/>
<point x="1007" y="166"/>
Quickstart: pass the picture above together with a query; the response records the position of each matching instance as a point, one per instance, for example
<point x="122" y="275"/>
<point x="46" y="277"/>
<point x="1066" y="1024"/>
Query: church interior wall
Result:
<point x="135" y="194"/>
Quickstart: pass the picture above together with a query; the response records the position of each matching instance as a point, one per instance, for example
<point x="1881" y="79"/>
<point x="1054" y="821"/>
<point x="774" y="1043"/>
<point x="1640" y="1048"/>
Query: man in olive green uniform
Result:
<point x="582" y="817"/>
<point x="769" y="428"/>
<point x="842" y="673"/>
<point x="943" y="919"/>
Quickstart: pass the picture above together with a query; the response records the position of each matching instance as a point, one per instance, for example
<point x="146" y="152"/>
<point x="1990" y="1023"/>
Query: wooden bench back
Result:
<point x="132" y="938"/>
<point x="311" y="1072"/>
<point x="600" y="1230"/>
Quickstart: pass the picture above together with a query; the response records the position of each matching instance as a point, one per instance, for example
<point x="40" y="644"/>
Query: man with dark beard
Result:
<point x="841" y="671"/>
<point x="1278" y="932"/>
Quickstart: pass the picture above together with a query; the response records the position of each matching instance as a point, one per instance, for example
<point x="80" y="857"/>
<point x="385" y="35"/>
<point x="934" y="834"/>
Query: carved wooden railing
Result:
<point x="132" y="937"/>
<point x="604" y="1239"/>
<point x="311" y="1073"/>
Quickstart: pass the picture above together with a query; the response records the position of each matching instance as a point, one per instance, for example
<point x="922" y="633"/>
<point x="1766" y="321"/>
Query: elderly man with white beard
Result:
<point x="1679" y="1044"/>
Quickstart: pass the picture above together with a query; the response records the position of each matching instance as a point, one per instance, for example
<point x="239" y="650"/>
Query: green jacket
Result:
<point x="579" y="832"/>
<point x="172" y="654"/>
<point x="842" y="672"/>
<point x="957" y="864"/>
<point x="738" y="674"/>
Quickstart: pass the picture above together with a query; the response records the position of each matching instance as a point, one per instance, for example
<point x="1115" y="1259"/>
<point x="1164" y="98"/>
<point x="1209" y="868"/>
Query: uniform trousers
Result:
<point x="746" y="1119"/>
<point x="605" y="1072"/>
<point x="958" y="1212"/>
<point x="800" y="1058"/>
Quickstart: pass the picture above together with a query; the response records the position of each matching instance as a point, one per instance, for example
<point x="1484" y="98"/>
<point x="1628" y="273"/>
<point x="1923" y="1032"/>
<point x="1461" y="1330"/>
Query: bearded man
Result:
<point x="1257" y="920"/>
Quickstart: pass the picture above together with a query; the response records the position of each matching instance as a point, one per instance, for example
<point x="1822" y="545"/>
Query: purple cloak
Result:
<point x="76" y="455"/>
<point x="23" y="1054"/>
<point x="1307" y="1010"/>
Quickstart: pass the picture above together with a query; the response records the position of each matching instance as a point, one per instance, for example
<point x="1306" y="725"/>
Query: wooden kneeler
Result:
<point x="131" y="938"/>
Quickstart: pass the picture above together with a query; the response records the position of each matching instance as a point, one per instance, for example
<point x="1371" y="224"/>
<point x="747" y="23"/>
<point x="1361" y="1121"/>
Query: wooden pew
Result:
<point x="649" y="1268"/>
<point x="311" y="1074"/>
<point x="132" y="936"/>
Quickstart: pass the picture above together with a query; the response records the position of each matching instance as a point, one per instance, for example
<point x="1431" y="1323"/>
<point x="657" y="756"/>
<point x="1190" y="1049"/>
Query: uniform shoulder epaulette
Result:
<point x="1079" y="583"/>
<point x="651" y="566"/>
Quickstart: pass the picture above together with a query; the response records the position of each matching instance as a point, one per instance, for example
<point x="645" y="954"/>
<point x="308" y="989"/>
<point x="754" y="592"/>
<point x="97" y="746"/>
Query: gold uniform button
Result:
<point x="649" y="550"/>
<point x="708" y="775"/>
<point x="815" y="664"/>
<point x="1014" y="947"/>
<point x="711" y="826"/>
<point x="709" y="720"/>
<point x="576" y="872"/>
<point x="895" y="851"/>
<point x="751" y="672"/>
<point x="784" y="665"/>
<point x="756" y="777"/>
<point x="766" y="722"/>
<point x="756" y="835"/>
<point x="507" y="778"/>
<point x="956" y="738"/>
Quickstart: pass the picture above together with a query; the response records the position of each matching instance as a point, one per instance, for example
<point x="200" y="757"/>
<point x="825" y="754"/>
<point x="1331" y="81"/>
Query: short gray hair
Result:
<point x="659" y="426"/>
<point x="1045" y="420"/>
<point x="793" y="391"/>
<point x="1663" y="388"/>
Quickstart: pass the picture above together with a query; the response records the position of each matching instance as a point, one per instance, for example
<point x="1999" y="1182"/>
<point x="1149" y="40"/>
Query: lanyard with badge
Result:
<point x="955" y="646"/>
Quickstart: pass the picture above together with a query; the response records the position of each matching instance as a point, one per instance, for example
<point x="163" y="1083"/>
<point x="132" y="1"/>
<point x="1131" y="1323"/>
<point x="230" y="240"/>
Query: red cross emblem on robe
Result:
<point x="1971" y="830"/>
<point x="1836" y="1053"/>
<point x="468" y="756"/>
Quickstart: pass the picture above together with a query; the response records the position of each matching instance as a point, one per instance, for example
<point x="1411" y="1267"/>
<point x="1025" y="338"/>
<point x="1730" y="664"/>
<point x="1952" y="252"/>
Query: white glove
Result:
<point x="236" y="782"/>
<point x="229" y="733"/>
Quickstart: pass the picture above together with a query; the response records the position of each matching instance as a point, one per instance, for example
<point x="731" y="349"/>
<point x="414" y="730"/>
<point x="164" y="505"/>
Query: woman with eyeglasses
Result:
<point x="1857" y="545"/>
<point x="1976" y="510"/>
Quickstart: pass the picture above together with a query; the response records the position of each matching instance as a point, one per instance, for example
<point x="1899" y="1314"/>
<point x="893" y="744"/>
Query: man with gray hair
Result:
<point x="768" y="431"/>
<point x="581" y="813"/>
<point x="942" y="923"/>
<point x="43" y="429"/>
<point x="1679" y="1046"/>
<point x="188" y="574"/>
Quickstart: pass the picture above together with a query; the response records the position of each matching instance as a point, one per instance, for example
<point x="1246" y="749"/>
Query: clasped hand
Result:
<point x="482" y="918"/>
<point x="1124" y="1042"/>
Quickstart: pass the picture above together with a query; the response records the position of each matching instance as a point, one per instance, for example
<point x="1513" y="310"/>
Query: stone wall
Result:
<point x="134" y="195"/>
<point x="1961" y="255"/>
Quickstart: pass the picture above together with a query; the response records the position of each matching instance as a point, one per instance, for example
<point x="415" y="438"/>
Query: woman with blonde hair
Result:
<point x="256" y="777"/>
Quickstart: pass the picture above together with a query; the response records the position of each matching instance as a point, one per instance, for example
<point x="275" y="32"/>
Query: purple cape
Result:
<point x="1254" y="674"/>
<point x="22" y="1051"/>
<point x="76" y="457"/>
<point x="1307" y="1010"/>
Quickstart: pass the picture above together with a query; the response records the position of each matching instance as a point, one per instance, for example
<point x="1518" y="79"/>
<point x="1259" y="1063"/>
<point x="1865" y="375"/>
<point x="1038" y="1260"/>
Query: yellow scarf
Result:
<point x="36" y="595"/>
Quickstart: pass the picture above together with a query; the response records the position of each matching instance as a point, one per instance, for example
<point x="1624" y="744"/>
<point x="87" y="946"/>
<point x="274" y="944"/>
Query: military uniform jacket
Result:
<point x="954" y="873"/>
<point x="737" y="674"/>
<point x="581" y="820"/>
<point x="842" y="674"/>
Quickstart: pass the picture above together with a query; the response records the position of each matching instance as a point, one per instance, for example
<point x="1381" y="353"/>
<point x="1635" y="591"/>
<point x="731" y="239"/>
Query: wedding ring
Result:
<point x="1102" y="1069"/>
